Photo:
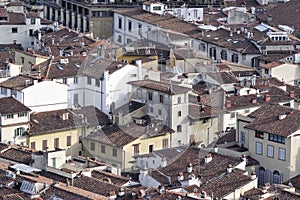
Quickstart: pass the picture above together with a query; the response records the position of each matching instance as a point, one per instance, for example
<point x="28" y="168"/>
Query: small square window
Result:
<point x="14" y="30"/>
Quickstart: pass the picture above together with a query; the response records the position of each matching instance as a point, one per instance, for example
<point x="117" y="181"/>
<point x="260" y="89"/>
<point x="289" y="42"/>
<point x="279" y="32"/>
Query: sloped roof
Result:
<point x="10" y="105"/>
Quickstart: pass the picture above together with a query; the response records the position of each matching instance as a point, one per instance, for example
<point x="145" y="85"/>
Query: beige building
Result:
<point x="28" y="59"/>
<point x="271" y="135"/>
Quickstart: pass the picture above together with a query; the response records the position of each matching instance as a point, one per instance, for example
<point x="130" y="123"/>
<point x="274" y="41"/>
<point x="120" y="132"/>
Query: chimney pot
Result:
<point x="267" y="98"/>
<point x="228" y="103"/>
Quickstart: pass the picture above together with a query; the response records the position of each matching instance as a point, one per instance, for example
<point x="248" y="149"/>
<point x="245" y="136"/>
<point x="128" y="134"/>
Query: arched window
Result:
<point x="261" y="176"/>
<point x="276" y="177"/>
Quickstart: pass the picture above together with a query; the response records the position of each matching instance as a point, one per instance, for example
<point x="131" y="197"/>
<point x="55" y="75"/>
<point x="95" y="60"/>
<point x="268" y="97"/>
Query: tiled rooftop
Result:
<point x="18" y="82"/>
<point x="269" y="122"/>
<point x="11" y="105"/>
<point x="106" y="176"/>
<point x="17" y="155"/>
<point x="161" y="87"/>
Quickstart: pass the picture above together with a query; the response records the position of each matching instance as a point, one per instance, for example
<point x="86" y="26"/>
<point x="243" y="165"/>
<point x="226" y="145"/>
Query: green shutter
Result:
<point x="16" y="132"/>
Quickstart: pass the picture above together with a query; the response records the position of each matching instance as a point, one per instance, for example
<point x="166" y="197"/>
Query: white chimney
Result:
<point x="253" y="175"/>
<point x="139" y="69"/>
<point x="121" y="192"/>
<point x="229" y="169"/>
<point x="189" y="168"/>
<point x="208" y="158"/>
<point x="164" y="162"/>
<point x="180" y="177"/>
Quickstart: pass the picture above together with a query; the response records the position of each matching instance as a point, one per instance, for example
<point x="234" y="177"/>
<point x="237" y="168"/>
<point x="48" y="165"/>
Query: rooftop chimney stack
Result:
<point x="180" y="177"/>
<point x="267" y="98"/>
<point x="229" y="169"/>
<point x="254" y="100"/>
<point x="189" y="168"/>
<point x="292" y="94"/>
<point x="228" y="103"/>
<point x="208" y="158"/>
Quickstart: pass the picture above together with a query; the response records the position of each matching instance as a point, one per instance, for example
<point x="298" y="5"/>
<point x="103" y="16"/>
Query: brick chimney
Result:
<point x="267" y="98"/>
<point x="228" y="103"/>
<point x="292" y="94"/>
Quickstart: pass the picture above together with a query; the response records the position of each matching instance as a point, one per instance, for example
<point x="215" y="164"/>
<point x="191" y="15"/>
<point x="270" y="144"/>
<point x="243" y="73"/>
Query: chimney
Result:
<point x="52" y="41"/>
<point x="254" y="100"/>
<point x="244" y="158"/>
<point x="229" y="169"/>
<point x="164" y="162"/>
<point x="228" y="103"/>
<point x="189" y="168"/>
<point x="121" y="192"/>
<point x="253" y="175"/>
<point x="180" y="177"/>
<point x="267" y="98"/>
<point x="208" y="158"/>
<point x="292" y="94"/>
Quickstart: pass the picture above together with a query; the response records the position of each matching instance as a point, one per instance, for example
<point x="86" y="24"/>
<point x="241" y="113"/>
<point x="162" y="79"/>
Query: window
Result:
<point x="270" y="151"/>
<point x="64" y="80"/>
<point x="129" y="26"/>
<point x="119" y="38"/>
<point x="14" y="30"/>
<point x="136" y="150"/>
<point x="120" y="23"/>
<point x="114" y="152"/>
<point x="75" y="80"/>
<point x="261" y="176"/>
<point x="224" y="54"/>
<point x="157" y="8"/>
<point x="277" y="138"/>
<point x="140" y="27"/>
<point x="9" y="116"/>
<point x="30" y="32"/>
<point x="161" y="98"/>
<point x="32" y="43"/>
<point x="195" y="13"/>
<point x="32" y="21"/>
<point x="281" y="154"/>
<point x="32" y="145"/>
<point x="266" y="71"/>
<point x="19" y="132"/>
<point x="259" y="134"/>
<point x="44" y="145"/>
<point x="242" y="137"/>
<point x="22" y="114"/>
<point x="150" y="96"/>
<point x="93" y="146"/>
<point x="159" y="112"/>
<point x="276" y="177"/>
<point x="75" y="99"/>
<point x="56" y="143"/>
<point x="179" y="113"/>
<point x="259" y="148"/>
<point x="235" y="58"/>
<point x="89" y="80"/>
<point x="102" y="148"/>
<point x="97" y="83"/>
<point x="132" y="75"/>
<point x="3" y="90"/>
<point x="151" y="109"/>
<point x="165" y="143"/>
<point x="212" y="53"/>
<point x="192" y="139"/>
<point x="69" y="140"/>
<point x="232" y="115"/>
<point x="151" y="148"/>
<point x="179" y="128"/>
<point x="202" y="47"/>
<point x="22" y="60"/>
<point x="179" y="100"/>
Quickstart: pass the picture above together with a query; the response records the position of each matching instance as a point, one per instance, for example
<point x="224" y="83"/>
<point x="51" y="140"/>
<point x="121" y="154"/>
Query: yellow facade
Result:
<point x="124" y="156"/>
<point x="23" y="58"/>
<point x="72" y="149"/>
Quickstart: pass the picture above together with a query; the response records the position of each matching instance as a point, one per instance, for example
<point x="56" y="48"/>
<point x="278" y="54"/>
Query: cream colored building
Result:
<point x="28" y="59"/>
<point x="271" y="135"/>
<point x="14" y="121"/>
<point x="116" y="145"/>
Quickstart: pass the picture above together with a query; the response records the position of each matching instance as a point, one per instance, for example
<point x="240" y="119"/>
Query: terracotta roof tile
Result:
<point x="18" y="82"/>
<point x="10" y="105"/>
<point x="159" y="86"/>
<point x="269" y="122"/>
<point x="105" y="176"/>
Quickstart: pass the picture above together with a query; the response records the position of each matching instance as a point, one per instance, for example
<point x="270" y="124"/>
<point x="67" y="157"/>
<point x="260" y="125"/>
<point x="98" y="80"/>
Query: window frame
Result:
<point x="270" y="151"/>
<point x="257" y="148"/>
<point x="114" y="152"/>
<point x="69" y="140"/>
<point x="279" y="153"/>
